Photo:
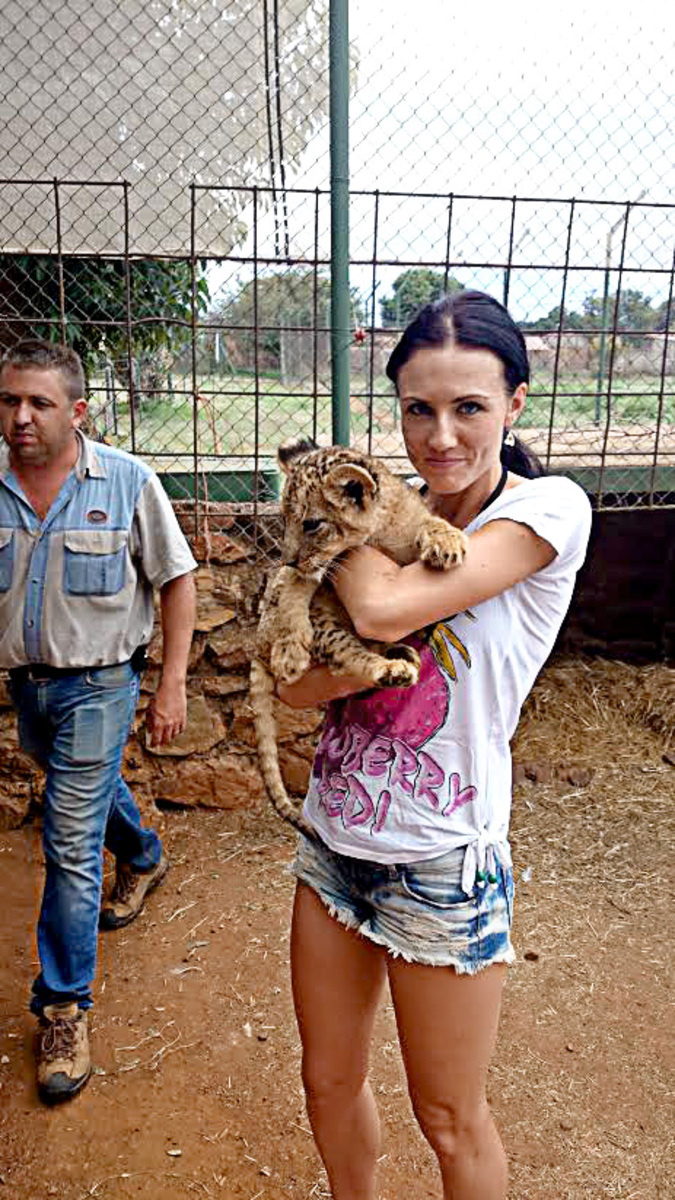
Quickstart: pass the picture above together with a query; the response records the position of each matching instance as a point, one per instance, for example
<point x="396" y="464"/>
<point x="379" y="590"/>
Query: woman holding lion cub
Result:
<point x="410" y="879"/>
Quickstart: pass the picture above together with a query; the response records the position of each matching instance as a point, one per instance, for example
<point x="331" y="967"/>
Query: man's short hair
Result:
<point x="49" y="356"/>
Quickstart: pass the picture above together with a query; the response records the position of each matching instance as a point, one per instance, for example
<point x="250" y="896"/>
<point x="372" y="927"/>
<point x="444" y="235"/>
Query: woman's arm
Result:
<point x="319" y="686"/>
<point x="386" y="602"/>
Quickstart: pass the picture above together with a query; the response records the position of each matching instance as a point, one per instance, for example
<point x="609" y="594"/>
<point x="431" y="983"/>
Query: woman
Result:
<point x="411" y="790"/>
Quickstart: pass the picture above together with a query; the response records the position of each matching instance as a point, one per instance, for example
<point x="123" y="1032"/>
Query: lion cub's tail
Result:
<point x="261" y="698"/>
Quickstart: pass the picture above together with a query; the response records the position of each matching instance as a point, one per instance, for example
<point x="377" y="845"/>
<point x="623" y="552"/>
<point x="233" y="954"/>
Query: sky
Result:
<point x="511" y="98"/>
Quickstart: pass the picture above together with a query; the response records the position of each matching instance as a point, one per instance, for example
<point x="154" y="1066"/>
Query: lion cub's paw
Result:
<point x="397" y="673"/>
<point x="441" y="545"/>
<point x="399" y="650"/>
<point x="289" y="660"/>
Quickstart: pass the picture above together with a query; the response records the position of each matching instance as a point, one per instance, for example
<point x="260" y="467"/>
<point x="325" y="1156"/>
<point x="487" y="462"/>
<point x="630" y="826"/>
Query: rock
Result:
<point x="548" y="773"/>
<point x="229" y="781"/>
<point x="155" y="650"/>
<point x="203" y="578"/>
<point x="539" y="772"/>
<point x="576" y="776"/>
<point x="9" y="740"/>
<point x="219" y="548"/>
<point x="204" y="730"/>
<point x="296" y="722"/>
<point x="150" y="679"/>
<point x="222" y="685"/>
<point x="213" y="618"/>
<point x="14" y="803"/>
<point x="135" y="767"/>
<point x="296" y="772"/>
<point x="233" y="648"/>
<point x="306" y="748"/>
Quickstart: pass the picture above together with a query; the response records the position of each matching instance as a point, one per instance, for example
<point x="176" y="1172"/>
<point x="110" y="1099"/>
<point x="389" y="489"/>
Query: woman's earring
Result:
<point x="509" y="437"/>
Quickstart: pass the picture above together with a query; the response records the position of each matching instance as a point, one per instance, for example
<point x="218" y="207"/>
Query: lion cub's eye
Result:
<point x="311" y="526"/>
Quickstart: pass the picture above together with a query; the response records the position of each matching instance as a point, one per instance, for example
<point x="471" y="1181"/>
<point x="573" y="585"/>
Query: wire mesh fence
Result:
<point x="204" y="364"/>
<point x="151" y="215"/>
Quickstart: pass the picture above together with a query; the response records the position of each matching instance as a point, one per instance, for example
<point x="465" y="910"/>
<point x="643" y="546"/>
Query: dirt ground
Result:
<point x="197" y="1084"/>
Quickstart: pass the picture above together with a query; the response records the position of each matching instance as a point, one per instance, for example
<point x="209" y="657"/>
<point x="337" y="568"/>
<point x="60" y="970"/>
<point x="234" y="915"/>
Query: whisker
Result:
<point x="333" y="570"/>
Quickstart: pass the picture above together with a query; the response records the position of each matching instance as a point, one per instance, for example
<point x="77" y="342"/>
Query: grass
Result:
<point x="633" y="399"/>
<point x="226" y="423"/>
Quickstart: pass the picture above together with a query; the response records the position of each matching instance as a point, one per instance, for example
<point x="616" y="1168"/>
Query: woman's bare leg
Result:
<point x="447" y="1027"/>
<point x="338" y="979"/>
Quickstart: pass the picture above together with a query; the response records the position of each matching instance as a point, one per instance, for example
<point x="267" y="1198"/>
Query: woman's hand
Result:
<point x="386" y="602"/>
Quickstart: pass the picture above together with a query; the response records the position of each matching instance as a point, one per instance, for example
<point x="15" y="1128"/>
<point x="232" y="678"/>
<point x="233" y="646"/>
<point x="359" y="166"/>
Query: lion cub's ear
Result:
<point x="348" y="483"/>
<point x="290" y="453"/>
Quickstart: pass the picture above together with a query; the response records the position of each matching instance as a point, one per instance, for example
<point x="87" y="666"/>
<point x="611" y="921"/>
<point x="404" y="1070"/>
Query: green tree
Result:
<point x="551" y="322"/>
<point x="664" y="319"/>
<point x="412" y="289"/>
<point x="98" y="306"/>
<point x="283" y="300"/>
<point x="636" y="313"/>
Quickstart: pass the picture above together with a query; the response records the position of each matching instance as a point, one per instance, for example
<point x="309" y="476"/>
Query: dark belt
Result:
<point x="41" y="672"/>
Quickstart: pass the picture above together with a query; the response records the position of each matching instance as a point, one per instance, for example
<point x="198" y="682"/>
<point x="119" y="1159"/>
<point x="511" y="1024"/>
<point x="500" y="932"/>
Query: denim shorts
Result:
<point x="417" y="911"/>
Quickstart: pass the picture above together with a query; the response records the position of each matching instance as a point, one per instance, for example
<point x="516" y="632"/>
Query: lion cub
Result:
<point x="334" y="499"/>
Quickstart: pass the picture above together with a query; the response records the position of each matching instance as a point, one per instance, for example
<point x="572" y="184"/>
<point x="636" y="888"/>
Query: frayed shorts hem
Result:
<point x="416" y="912"/>
<point x="346" y="919"/>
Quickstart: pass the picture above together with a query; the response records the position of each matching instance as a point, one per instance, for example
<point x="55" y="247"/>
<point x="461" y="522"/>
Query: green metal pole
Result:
<point x="339" y="201"/>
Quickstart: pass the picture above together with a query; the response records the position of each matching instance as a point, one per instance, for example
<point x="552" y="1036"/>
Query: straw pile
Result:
<point x="596" y="748"/>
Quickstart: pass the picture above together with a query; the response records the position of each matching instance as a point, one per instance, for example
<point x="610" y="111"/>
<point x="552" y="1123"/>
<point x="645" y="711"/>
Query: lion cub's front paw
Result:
<point x="441" y="545"/>
<point x="403" y="652"/>
<point x="397" y="673"/>
<point x="289" y="659"/>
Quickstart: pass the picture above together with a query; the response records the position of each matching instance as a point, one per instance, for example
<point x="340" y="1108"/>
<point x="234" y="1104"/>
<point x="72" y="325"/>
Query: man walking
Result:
<point x="86" y="534"/>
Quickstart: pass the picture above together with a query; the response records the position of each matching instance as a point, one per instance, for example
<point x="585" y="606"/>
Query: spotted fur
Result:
<point x="334" y="499"/>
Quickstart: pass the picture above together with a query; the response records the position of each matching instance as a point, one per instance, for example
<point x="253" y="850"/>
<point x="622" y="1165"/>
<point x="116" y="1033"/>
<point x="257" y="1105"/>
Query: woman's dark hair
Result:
<point x="474" y="319"/>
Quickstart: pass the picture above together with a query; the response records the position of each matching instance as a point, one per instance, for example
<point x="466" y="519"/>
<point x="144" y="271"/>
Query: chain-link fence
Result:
<point x="165" y="209"/>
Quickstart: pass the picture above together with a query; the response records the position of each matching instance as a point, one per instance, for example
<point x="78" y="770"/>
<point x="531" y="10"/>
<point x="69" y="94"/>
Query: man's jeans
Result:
<point x="76" y="727"/>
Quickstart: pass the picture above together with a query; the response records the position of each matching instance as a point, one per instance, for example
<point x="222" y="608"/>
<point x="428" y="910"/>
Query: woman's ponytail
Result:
<point x="518" y="458"/>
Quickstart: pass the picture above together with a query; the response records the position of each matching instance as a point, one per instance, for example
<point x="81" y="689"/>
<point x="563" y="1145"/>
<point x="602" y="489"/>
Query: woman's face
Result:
<point x="454" y="409"/>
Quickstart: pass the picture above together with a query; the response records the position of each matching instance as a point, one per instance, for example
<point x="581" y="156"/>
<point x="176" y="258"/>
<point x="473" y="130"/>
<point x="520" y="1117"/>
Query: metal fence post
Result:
<point x="339" y="185"/>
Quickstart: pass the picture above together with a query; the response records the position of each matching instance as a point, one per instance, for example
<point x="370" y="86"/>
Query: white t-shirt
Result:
<point x="402" y="775"/>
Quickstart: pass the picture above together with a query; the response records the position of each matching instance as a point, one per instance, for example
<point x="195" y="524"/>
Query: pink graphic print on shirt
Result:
<point x="370" y="754"/>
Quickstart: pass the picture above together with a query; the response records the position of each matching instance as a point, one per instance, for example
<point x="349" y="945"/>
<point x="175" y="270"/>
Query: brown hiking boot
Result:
<point x="62" y="1052"/>
<point x="127" y="897"/>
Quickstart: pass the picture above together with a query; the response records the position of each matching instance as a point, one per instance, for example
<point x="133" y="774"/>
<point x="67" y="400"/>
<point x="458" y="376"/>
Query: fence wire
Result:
<point x="165" y="209"/>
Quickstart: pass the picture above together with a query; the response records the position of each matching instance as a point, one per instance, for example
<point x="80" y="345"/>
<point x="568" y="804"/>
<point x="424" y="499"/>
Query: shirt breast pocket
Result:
<point x="6" y="559"/>
<point x="94" y="561"/>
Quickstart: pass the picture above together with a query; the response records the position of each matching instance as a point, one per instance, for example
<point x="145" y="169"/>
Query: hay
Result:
<point x="585" y="1096"/>
<point x="594" y="711"/>
<point x="617" y="722"/>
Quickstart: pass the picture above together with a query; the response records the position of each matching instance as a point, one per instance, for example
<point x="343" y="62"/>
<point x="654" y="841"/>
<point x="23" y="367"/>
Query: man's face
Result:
<point x="37" y="417"/>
